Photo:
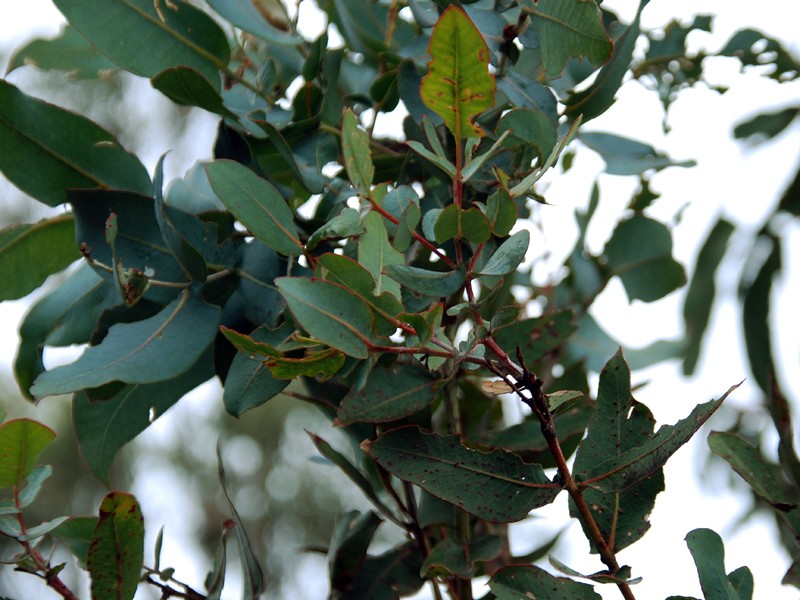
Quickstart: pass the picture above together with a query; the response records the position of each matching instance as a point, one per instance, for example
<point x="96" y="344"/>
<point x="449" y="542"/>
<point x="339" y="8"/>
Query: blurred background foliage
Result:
<point x="288" y="502"/>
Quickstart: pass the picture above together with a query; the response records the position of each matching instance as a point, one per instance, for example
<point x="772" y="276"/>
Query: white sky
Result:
<point x="740" y="182"/>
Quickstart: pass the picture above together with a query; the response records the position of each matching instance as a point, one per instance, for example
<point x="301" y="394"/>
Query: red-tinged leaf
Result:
<point x="458" y="85"/>
<point x="496" y="486"/>
<point x="116" y="548"/>
<point x="21" y="442"/>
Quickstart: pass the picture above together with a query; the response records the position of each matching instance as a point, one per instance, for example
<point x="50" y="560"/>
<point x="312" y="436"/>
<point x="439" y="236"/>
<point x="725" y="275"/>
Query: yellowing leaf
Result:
<point x="458" y="85"/>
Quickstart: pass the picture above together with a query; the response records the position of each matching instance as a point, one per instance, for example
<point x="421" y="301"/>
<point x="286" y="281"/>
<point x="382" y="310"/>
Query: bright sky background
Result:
<point x="731" y="178"/>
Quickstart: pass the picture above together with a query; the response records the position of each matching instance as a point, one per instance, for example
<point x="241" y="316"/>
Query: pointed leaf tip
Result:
<point x="458" y="85"/>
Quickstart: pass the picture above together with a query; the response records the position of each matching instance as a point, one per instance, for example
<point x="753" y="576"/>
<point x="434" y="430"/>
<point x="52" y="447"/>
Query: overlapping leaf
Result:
<point x="30" y="253"/>
<point x="46" y="150"/>
<point x="569" y="29"/>
<point x="103" y="427"/>
<point x="21" y="442"/>
<point x="496" y="486"/>
<point x="257" y="204"/>
<point x="516" y="582"/>
<point x="150" y="350"/>
<point x="329" y="312"/>
<point x="389" y="394"/>
<point x="176" y="33"/>
<point x="618" y="425"/>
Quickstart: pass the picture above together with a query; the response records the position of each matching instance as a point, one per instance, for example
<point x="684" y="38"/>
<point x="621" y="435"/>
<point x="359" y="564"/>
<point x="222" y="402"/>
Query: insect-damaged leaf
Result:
<point x="458" y="85"/>
<point x="154" y="349"/>
<point x="329" y="312"/>
<point x="610" y="466"/>
<point x="116" y="548"/>
<point x="496" y="486"/>
<point x="389" y="394"/>
<point x="516" y="582"/>
<point x="618" y="424"/>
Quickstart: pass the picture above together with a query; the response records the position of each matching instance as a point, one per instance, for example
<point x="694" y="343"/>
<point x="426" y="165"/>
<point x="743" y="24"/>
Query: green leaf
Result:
<point x="351" y="537"/>
<point x="352" y="473"/>
<point x="329" y="312"/>
<point x="45" y="150"/>
<point x="756" y="314"/>
<point x="754" y="48"/>
<point x="116" y="549"/>
<point x="376" y="254"/>
<point x="68" y="315"/>
<point x="509" y="255"/>
<point x="537" y="336"/>
<point x="21" y="442"/>
<point x="249" y="382"/>
<point x="458" y="85"/>
<point x="569" y="29"/>
<point x="440" y="161"/>
<point x="69" y="51"/>
<point x="455" y="222"/>
<point x="501" y="212"/>
<point x="30" y="253"/>
<point x="257" y="204"/>
<point x="618" y="425"/>
<point x="252" y="574"/>
<point x="344" y="225"/>
<point x="390" y="393"/>
<point x="215" y="579"/>
<point x="244" y="15"/>
<point x="453" y="558"/>
<point x="151" y="350"/>
<point x="767" y="480"/>
<point x="599" y="97"/>
<point x="103" y="427"/>
<point x="766" y="125"/>
<point x="500" y="487"/>
<point x="709" y="557"/>
<point x="321" y="364"/>
<point x="390" y="576"/>
<point x="640" y="253"/>
<point x="624" y="156"/>
<point x="347" y="272"/>
<point x="176" y="34"/>
<point x="520" y="583"/>
<point x="189" y="87"/>
<point x="357" y="156"/>
<point x="622" y="472"/>
<point x="76" y="534"/>
<point x="33" y="483"/>
<point x="702" y="291"/>
<point x="185" y="254"/>
<point x="529" y="127"/>
<point x="427" y="283"/>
